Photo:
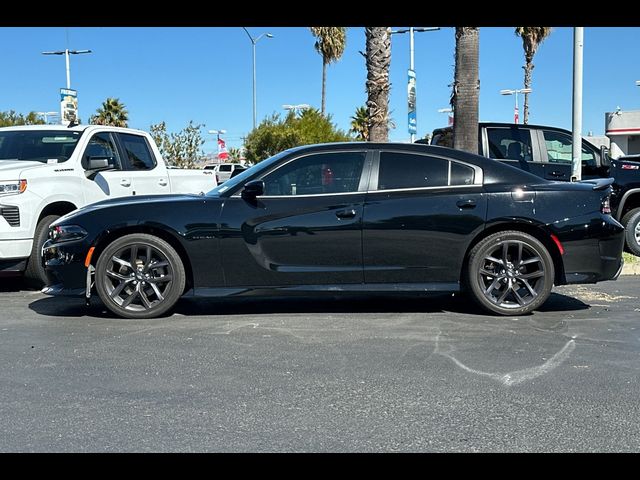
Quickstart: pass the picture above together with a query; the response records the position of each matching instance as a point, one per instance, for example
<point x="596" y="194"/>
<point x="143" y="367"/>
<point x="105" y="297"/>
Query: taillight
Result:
<point x="605" y="207"/>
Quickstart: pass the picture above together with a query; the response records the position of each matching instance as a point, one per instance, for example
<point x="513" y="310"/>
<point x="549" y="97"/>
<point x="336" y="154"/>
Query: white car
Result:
<point x="47" y="171"/>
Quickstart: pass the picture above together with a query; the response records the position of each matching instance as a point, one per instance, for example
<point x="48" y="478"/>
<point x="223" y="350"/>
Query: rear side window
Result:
<point x="461" y="174"/>
<point x="406" y="170"/>
<point x="510" y="144"/>
<point x="138" y="152"/>
<point x="225" y="168"/>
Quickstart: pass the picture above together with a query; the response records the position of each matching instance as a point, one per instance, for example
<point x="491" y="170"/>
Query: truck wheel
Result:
<point x="139" y="276"/>
<point x="35" y="274"/>
<point x="509" y="273"/>
<point x="631" y="222"/>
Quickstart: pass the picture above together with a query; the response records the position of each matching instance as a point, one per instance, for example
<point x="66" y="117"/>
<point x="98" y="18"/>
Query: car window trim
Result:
<point x="361" y="185"/>
<point x="478" y="177"/>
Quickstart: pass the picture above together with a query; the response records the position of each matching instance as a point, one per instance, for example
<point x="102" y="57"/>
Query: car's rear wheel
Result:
<point x="139" y="276"/>
<point x="631" y="222"/>
<point x="510" y="273"/>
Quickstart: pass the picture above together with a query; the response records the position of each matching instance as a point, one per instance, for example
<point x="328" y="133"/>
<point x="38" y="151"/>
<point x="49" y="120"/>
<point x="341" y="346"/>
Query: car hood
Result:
<point x="7" y="167"/>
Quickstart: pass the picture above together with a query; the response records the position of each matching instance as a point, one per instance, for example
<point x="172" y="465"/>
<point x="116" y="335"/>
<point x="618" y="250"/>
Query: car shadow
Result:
<point x="13" y="284"/>
<point x="323" y="303"/>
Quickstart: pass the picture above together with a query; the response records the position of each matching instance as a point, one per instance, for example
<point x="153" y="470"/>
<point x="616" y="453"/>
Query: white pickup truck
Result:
<point x="47" y="171"/>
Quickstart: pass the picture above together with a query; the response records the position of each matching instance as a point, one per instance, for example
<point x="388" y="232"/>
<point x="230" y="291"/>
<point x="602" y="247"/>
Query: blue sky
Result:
<point x="204" y="74"/>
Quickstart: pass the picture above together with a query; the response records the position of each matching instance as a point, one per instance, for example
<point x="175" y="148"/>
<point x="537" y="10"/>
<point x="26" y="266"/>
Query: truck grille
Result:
<point x="11" y="215"/>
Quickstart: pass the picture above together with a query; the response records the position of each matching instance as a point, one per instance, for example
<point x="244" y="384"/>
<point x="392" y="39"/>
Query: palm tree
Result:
<point x="330" y="44"/>
<point x="360" y="124"/>
<point x="378" y="57"/>
<point x="466" y="90"/>
<point x="532" y="37"/>
<point x="112" y="112"/>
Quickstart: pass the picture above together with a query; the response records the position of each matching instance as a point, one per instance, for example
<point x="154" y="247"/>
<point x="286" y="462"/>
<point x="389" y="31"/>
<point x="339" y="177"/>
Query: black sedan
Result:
<point x="362" y="217"/>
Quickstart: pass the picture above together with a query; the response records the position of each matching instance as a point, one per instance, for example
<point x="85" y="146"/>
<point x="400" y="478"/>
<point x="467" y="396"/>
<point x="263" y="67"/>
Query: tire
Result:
<point x="35" y="274"/>
<point x="631" y="222"/>
<point x="509" y="273"/>
<point x="139" y="276"/>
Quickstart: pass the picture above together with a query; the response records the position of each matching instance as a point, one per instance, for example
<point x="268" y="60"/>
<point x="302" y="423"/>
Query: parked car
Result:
<point x="344" y="217"/>
<point x="546" y="152"/>
<point x="225" y="170"/>
<point x="47" y="171"/>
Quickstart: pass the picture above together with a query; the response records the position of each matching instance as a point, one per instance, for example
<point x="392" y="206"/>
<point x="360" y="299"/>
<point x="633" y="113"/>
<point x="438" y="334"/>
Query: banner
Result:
<point x="68" y="106"/>
<point x="222" y="150"/>
<point x="411" y="100"/>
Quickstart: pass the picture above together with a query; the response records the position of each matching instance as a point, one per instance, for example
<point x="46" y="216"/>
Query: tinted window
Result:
<point x="138" y="152"/>
<point x="225" y="168"/>
<point x="102" y="145"/>
<point x="510" y="144"/>
<point x="559" y="146"/>
<point x="406" y="170"/>
<point x="317" y="174"/>
<point x="41" y="145"/>
<point x="461" y="174"/>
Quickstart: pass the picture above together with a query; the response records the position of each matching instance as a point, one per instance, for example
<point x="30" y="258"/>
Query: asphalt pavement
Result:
<point x="324" y="374"/>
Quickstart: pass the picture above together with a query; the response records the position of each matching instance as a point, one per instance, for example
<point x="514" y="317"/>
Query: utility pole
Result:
<point x="576" y="123"/>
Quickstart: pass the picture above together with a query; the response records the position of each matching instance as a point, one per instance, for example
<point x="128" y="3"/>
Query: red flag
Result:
<point x="516" y="117"/>
<point x="222" y="150"/>
<point x="450" y="120"/>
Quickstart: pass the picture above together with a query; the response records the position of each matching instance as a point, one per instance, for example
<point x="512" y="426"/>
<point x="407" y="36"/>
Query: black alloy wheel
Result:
<point x="510" y="273"/>
<point x="139" y="276"/>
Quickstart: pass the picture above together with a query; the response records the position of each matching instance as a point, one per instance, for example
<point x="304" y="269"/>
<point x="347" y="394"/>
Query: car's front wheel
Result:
<point x="510" y="273"/>
<point x="139" y="276"/>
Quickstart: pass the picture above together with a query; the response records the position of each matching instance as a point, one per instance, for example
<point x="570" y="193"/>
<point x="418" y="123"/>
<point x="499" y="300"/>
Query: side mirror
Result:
<point x="604" y="156"/>
<point x="253" y="189"/>
<point x="93" y="165"/>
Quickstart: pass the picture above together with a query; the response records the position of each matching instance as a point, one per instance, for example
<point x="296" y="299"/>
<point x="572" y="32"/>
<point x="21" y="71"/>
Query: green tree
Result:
<point x="275" y="133"/>
<point x="466" y="89"/>
<point x="360" y="124"/>
<point x="112" y="112"/>
<point x="10" y="118"/>
<point x="235" y="154"/>
<point x="181" y="149"/>
<point x="378" y="58"/>
<point x="532" y="37"/>
<point x="330" y="44"/>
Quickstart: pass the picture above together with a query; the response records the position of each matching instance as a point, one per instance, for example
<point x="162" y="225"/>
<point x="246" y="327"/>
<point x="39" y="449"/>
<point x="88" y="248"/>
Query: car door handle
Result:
<point x="556" y="174"/>
<point x="162" y="182"/>
<point x="348" y="213"/>
<point x="468" y="203"/>
<point x="125" y="182"/>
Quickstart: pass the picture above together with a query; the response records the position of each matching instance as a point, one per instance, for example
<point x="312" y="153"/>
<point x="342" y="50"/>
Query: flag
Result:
<point x="450" y="120"/>
<point x="516" y="117"/>
<point x="222" y="150"/>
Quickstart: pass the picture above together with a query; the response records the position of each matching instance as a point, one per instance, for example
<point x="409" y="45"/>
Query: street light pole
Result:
<point x="516" y="92"/>
<point x="411" y="91"/>
<point x="66" y="52"/>
<point x="254" y="41"/>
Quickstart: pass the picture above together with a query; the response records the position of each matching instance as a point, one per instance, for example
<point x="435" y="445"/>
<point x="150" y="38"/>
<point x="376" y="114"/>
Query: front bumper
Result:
<point x="64" y="263"/>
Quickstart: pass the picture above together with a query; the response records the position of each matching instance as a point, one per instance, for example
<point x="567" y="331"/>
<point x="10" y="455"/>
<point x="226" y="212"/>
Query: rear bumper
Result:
<point x="597" y="256"/>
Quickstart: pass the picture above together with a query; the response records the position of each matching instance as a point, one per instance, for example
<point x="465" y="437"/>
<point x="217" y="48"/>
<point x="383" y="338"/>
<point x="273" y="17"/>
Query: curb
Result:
<point x="631" y="269"/>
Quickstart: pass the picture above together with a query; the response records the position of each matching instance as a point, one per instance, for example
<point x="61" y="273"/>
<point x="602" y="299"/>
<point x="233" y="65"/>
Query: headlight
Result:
<point x="17" y="186"/>
<point x="67" y="233"/>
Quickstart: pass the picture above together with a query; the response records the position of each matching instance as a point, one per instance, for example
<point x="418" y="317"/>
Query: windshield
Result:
<point x="248" y="173"/>
<point x="46" y="146"/>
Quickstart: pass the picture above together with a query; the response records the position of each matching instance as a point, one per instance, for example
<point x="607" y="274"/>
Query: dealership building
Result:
<point x="623" y="129"/>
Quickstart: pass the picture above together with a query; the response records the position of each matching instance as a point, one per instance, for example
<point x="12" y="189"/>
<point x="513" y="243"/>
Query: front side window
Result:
<point x="407" y="170"/>
<point x="138" y="152"/>
<point x="510" y="144"/>
<point x="102" y="146"/>
<point x="559" y="146"/>
<point x="317" y="174"/>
